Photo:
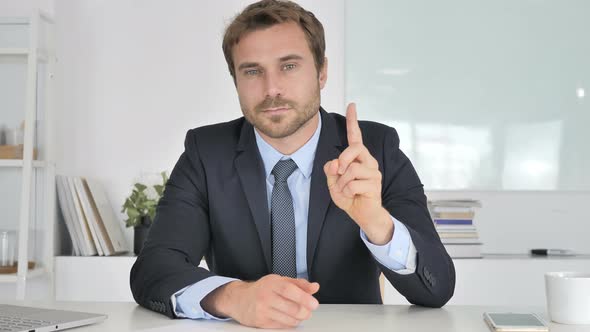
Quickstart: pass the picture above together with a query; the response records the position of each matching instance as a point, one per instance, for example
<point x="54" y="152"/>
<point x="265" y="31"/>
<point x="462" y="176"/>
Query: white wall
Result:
<point x="24" y="7"/>
<point x="132" y="79"/>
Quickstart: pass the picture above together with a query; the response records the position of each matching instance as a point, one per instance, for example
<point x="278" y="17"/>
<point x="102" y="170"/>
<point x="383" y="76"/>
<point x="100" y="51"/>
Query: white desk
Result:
<point x="125" y="316"/>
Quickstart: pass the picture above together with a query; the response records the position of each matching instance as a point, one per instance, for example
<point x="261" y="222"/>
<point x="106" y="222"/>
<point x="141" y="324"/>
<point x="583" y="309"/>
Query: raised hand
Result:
<point x="354" y="181"/>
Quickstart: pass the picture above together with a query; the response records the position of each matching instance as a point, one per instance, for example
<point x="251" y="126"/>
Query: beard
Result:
<point x="285" y="124"/>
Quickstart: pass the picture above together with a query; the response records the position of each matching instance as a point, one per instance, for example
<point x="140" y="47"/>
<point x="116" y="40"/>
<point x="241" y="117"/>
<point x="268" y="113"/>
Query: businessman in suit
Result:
<point x="291" y="206"/>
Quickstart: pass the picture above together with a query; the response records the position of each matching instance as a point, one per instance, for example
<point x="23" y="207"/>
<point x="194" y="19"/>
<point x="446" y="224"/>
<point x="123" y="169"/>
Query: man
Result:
<point x="291" y="206"/>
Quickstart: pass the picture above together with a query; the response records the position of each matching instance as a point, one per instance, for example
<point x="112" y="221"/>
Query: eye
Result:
<point x="289" y="66"/>
<point x="252" y="72"/>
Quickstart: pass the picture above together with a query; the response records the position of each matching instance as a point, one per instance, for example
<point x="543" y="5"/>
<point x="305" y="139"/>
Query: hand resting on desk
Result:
<point x="272" y="301"/>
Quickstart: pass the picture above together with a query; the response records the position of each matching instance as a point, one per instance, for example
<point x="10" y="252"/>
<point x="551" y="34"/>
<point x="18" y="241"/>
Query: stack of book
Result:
<point x="454" y="222"/>
<point x="89" y="218"/>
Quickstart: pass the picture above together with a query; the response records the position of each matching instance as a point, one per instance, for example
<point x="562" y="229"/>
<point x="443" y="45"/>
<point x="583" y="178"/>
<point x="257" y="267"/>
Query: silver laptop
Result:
<point x="29" y="319"/>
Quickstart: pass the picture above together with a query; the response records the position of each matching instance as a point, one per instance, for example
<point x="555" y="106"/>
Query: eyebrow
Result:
<point x="282" y="59"/>
<point x="248" y="65"/>
<point x="291" y="57"/>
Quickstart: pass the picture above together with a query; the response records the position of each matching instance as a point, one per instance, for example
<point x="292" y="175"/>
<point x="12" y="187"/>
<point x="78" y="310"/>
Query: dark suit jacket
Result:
<point x="215" y="206"/>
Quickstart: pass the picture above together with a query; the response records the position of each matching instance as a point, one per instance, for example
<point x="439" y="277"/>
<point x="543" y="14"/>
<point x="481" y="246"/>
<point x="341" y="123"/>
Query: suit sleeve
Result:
<point x="178" y="238"/>
<point x="433" y="282"/>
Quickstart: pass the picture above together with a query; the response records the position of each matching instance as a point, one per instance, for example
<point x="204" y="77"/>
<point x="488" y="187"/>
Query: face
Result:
<point x="277" y="82"/>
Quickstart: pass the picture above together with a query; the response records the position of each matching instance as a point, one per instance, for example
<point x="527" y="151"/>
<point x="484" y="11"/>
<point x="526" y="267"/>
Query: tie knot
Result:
<point x="283" y="169"/>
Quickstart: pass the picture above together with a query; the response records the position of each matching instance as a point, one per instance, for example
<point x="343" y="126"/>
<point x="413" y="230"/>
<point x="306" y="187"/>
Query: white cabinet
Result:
<point x="492" y="280"/>
<point x="504" y="280"/>
<point x="27" y="190"/>
<point x="95" y="278"/>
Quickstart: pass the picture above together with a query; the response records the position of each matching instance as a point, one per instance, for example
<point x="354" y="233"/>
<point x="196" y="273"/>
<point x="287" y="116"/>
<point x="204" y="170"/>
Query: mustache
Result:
<point x="274" y="103"/>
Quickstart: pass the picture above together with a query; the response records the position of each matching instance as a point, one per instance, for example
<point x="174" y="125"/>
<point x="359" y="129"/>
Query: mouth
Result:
<point x="276" y="110"/>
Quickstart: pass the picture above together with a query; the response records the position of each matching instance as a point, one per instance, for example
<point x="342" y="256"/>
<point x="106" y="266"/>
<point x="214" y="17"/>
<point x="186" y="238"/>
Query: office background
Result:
<point x="133" y="77"/>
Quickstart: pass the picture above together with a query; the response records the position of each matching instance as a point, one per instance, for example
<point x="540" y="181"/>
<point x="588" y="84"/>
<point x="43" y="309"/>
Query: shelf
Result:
<point x="14" y="51"/>
<point x="21" y="51"/>
<point x="29" y="49"/>
<point x="533" y="258"/>
<point x="33" y="273"/>
<point x="14" y="20"/>
<point x="17" y="163"/>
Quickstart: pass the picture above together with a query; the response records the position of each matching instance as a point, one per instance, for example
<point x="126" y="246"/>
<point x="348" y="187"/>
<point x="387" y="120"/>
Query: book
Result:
<point x="69" y="202"/>
<point x="455" y="228"/>
<point x="107" y="217"/>
<point x="91" y="217"/>
<point x="86" y="238"/>
<point x="85" y="215"/>
<point x="434" y="210"/>
<point x="458" y="234"/>
<point x="454" y="215"/>
<point x="453" y="221"/>
<point x="460" y="203"/>
<point x="69" y="212"/>
<point x="459" y="240"/>
<point x="67" y="215"/>
<point x="88" y="214"/>
<point x="108" y="244"/>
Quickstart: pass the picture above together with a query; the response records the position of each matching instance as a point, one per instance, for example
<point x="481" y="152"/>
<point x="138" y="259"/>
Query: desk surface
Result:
<point x="124" y="316"/>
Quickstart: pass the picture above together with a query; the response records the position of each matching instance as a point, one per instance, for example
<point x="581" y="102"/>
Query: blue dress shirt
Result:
<point x="398" y="255"/>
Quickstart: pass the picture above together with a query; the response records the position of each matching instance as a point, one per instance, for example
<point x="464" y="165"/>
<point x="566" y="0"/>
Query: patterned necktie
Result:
<point x="283" y="221"/>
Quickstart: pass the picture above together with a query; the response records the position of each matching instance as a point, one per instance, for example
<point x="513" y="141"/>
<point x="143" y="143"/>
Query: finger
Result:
<point x="353" y="130"/>
<point x="309" y="287"/>
<point x="368" y="188"/>
<point x="281" y="319"/>
<point x="355" y="153"/>
<point x="357" y="171"/>
<point x="331" y="170"/>
<point x="291" y="308"/>
<point x="292" y="292"/>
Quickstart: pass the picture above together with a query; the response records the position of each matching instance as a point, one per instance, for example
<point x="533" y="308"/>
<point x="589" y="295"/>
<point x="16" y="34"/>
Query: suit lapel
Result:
<point x="319" y="197"/>
<point x="250" y="170"/>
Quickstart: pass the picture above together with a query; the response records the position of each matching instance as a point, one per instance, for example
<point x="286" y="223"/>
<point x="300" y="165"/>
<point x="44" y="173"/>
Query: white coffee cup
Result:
<point x="568" y="297"/>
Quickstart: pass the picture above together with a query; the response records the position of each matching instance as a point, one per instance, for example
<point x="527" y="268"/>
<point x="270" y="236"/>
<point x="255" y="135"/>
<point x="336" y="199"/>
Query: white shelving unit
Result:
<point x="28" y="43"/>
<point x="18" y="163"/>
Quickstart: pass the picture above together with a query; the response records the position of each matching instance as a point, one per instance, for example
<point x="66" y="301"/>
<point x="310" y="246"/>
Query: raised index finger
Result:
<point x="353" y="131"/>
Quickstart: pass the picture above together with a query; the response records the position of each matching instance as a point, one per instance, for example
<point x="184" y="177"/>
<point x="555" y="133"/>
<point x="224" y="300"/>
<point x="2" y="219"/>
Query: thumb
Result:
<point x="308" y="287"/>
<point x="331" y="170"/>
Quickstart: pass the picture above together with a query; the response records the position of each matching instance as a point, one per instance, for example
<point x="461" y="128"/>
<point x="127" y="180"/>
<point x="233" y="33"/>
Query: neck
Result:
<point x="288" y="145"/>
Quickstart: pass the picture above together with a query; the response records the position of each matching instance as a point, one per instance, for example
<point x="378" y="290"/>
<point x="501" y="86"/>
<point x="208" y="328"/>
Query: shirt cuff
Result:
<point x="186" y="303"/>
<point x="399" y="254"/>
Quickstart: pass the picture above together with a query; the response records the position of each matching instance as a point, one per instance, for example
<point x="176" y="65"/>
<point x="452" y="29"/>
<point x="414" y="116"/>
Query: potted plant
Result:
<point x="140" y="208"/>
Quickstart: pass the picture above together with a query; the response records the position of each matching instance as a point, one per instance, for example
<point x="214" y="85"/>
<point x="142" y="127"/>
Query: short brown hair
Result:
<point x="266" y="13"/>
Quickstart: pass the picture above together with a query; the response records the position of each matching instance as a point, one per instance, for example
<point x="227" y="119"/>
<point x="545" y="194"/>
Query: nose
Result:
<point x="273" y="85"/>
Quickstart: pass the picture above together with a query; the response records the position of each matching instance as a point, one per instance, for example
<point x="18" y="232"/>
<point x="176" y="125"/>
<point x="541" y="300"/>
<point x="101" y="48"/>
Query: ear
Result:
<point x="323" y="77"/>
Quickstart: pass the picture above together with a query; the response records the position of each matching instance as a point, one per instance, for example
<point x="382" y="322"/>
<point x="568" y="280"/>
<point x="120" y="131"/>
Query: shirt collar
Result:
<point x="303" y="157"/>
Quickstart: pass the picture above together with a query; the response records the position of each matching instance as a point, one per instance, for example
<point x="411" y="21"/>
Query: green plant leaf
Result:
<point x="159" y="189"/>
<point x="138" y="205"/>
<point x="140" y="187"/>
<point x="133" y="213"/>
